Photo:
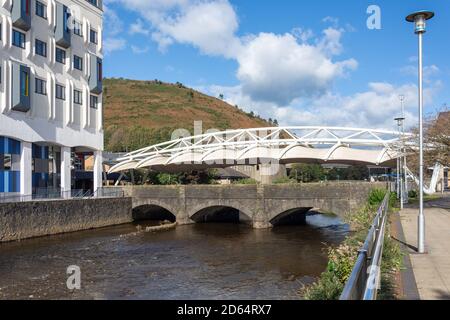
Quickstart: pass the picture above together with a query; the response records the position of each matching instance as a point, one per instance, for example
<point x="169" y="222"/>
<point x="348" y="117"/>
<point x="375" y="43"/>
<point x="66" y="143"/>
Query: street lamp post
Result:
<point x="419" y="19"/>
<point x="402" y="102"/>
<point x="399" y="163"/>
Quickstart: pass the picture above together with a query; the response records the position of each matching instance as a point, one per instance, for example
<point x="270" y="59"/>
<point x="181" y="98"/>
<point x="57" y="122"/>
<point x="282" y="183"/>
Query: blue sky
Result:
<point x="301" y="62"/>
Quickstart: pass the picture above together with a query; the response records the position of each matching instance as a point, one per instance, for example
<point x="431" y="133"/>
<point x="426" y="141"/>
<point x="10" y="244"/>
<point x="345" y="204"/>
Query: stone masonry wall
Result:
<point x="40" y="218"/>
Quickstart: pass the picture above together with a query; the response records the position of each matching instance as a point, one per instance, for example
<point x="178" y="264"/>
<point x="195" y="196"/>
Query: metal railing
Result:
<point x="56" y="194"/>
<point x="364" y="281"/>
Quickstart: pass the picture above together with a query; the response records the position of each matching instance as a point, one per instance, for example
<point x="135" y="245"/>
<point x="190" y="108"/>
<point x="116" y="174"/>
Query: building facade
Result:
<point x="50" y="92"/>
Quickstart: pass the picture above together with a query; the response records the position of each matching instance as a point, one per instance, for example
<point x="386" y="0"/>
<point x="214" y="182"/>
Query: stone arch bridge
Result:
<point x="261" y="206"/>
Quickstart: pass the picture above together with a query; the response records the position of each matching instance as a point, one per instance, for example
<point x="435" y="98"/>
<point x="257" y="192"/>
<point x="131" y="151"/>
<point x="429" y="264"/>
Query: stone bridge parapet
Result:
<point x="258" y="205"/>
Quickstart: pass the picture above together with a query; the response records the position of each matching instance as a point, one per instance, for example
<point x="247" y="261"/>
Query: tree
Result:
<point x="221" y="96"/>
<point x="307" y="172"/>
<point x="436" y="142"/>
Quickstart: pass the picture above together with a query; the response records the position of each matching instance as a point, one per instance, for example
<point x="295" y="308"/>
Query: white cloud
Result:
<point x="113" y="25"/>
<point x="276" y="68"/>
<point x="113" y="44"/>
<point x="428" y="71"/>
<point x="331" y="20"/>
<point x="209" y="26"/>
<point x="374" y="108"/>
<point x="287" y="76"/>
<point x="139" y="28"/>
<point x="302" y="35"/>
<point x="272" y="67"/>
<point x="139" y="50"/>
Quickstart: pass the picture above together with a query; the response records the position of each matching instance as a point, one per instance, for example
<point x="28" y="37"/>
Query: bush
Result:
<point x="412" y="194"/>
<point x="327" y="288"/>
<point x="376" y="197"/>
<point x="341" y="261"/>
<point x="246" y="181"/>
<point x="284" y="180"/>
<point x="167" y="179"/>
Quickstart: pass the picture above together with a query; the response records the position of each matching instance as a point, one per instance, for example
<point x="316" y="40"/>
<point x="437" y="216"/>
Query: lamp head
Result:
<point x="419" y="18"/>
<point x="399" y="120"/>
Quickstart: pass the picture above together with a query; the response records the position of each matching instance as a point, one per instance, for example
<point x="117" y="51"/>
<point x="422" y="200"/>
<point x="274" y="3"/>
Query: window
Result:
<point x="93" y="102"/>
<point x="40" y="48"/>
<point x="67" y="16"/>
<point x="60" y="92"/>
<point x="99" y="71"/>
<point x="77" y="96"/>
<point x="77" y="62"/>
<point x="7" y="162"/>
<point x="18" y="39"/>
<point x="60" y="56"/>
<point x="40" y="86"/>
<point x="27" y="7"/>
<point x="77" y="28"/>
<point x="93" y="36"/>
<point x="24" y="83"/>
<point x="41" y="10"/>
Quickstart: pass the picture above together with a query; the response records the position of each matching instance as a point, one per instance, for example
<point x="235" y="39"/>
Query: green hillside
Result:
<point x="140" y="113"/>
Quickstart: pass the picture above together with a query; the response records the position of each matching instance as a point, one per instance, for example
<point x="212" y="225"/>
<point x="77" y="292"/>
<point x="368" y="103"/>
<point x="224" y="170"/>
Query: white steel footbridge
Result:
<point x="278" y="145"/>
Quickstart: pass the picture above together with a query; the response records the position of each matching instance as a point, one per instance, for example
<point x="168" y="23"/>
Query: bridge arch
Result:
<point x="153" y="212"/>
<point x="221" y="213"/>
<point x="292" y="216"/>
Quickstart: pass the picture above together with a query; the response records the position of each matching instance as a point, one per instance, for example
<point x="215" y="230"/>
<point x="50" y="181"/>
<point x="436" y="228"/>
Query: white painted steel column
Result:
<point x="66" y="175"/>
<point x="25" y="168"/>
<point x="98" y="170"/>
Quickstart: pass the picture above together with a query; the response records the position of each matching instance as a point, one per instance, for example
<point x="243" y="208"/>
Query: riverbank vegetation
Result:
<point x="330" y="284"/>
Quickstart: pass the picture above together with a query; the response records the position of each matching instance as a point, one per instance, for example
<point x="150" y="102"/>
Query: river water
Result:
<point x="199" y="261"/>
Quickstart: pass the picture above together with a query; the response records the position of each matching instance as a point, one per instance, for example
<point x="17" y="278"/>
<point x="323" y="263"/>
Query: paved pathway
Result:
<point x="432" y="270"/>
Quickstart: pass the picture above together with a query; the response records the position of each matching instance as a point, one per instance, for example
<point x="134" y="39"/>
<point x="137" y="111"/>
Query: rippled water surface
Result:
<point x="200" y="261"/>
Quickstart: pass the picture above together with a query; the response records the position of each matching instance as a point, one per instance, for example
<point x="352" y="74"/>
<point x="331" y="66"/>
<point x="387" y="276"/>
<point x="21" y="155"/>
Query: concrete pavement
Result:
<point x="431" y="270"/>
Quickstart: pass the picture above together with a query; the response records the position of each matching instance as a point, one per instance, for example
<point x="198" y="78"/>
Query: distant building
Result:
<point x="50" y="92"/>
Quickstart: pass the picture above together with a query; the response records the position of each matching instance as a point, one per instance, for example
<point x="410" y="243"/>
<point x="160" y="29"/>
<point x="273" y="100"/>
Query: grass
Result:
<point x="341" y="259"/>
<point x="426" y="198"/>
<point x="153" y="105"/>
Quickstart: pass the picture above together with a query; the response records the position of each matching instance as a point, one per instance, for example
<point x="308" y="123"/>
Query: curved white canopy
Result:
<point x="268" y="145"/>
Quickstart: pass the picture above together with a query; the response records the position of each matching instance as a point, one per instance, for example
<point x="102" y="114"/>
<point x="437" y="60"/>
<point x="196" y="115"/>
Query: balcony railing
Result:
<point x="58" y="194"/>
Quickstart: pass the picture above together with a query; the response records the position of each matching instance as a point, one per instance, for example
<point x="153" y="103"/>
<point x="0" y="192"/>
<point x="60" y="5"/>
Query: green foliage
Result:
<point x="184" y="178"/>
<point x="307" y="172"/>
<point x="376" y="197"/>
<point x="118" y="139"/>
<point x="358" y="172"/>
<point x="167" y="179"/>
<point x="412" y="194"/>
<point x="245" y="181"/>
<point x="284" y="180"/>
<point x="392" y="200"/>
<point x="342" y="259"/>
<point x="328" y="288"/>
<point x="315" y="173"/>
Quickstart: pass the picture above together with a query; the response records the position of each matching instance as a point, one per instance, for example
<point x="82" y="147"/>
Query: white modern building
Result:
<point x="50" y="92"/>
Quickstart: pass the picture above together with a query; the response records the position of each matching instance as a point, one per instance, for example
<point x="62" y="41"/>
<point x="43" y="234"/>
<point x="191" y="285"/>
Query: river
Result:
<point x="199" y="261"/>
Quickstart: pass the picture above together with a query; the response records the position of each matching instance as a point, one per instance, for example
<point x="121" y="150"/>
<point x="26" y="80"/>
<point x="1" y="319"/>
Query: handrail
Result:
<point x="54" y="194"/>
<point x="364" y="281"/>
